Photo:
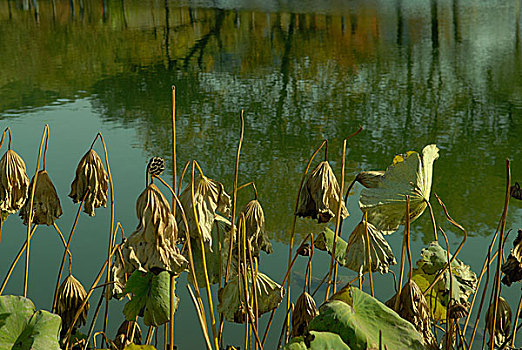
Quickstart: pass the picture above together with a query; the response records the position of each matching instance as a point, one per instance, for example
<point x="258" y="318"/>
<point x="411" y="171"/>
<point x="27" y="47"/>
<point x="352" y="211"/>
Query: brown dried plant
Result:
<point x="503" y="321"/>
<point x="71" y="295"/>
<point x="46" y="204"/>
<point x="305" y="310"/>
<point x="14" y="183"/>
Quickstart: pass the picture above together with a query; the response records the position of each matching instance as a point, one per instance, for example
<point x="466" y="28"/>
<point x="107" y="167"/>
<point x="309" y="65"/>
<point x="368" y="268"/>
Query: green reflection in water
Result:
<point x="411" y="73"/>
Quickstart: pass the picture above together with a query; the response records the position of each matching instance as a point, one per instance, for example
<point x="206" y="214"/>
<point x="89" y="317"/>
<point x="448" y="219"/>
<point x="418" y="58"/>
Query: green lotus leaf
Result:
<point x="433" y="259"/>
<point x="410" y="174"/>
<point x="353" y="254"/>
<point x="269" y="296"/>
<point x="358" y="317"/>
<point x="24" y="328"/>
<point x="151" y="297"/>
<point x="317" y="341"/>
<point x="139" y="347"/>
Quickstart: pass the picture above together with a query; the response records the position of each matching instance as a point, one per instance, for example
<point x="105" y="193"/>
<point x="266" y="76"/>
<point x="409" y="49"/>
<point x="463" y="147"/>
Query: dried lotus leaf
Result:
<point x="121" y="340"/>
<point x="71" y="295"/>
<point x="152" y="247"/>
<point x="305" y="310"/>
<point x="46" y="204"/>
<point x="14" y="183"/>
<point x="410" y="174"/>
<point x="255" y="228"/>
<point x="90" y="177"/>
<point x="319" y="197"/>
<point x="269" y="296"/>
<point x="503" y="321"/>
<point x="512" y="268"/>
<point x="209" y="197"/>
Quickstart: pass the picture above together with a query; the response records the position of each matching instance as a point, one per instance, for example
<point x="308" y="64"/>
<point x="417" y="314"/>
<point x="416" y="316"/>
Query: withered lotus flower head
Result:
<point x="90" y="176"/>
<point x="209" y="197"/>
<point x="503" y="321"/>
<point x="71" y="295"/>
<point x="305" y="310"/>
<point x="14" y="183"/>
<point x="512" y="268"/>
<point x="457" y="311"/>
<point x="255" y="227"/>
<point x="121" y="340"/>
<point x="319" y="198"/>
<point x="46" y="204"/>
<point x="370" y="179"/>
<point x="516" y="191"/>
<point x="152" y="247"/>
<point x="413" y="307"/>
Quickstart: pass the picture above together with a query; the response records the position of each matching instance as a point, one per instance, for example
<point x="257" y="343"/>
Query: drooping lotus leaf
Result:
<point x="317" y="341"/>
<point x="370" y="179"/>
<point x="221" y="229"/>
<point x="150" y="299"/>
<point x="319" y="198"/>
<point x="22" y="327"/>
<point x="46" y="204"/>
<point x="255" y="228"/>
<point x="413" y="307"/>
<point x="516" y="191"/>
<point x="503" y="321"/>
<point x="410" y="174"/>
<point x="90" y="176"/>
<point x="123" y="335"/>
<point x="209" y="197"/>
<point x="269" y="296"/>
<point x="14" y="183"/>
<point x="433" y="260"/>
<point x="358" y="317"/>
<point x="305" y="310"/>
<point x="152" y="247"/>
<point x="353" y="254"/>
<point x="71" y="296"/>
<point x="512" y="268"/>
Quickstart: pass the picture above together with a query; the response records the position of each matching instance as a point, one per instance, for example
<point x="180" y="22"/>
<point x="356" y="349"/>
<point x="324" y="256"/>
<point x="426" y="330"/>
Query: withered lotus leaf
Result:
<point x="269" y="296"/>
<point x="516" y="191"/>
<point x="46" y="204"/>
<point x="503" y="321"/>
<point x="410" y="174"/>
<point x="152" y="247"/>
<point x="512" y="268"/>
<point x="413" y="307"/>
<point x="370" y="179"/>
<point x="90" y="176"/>
<point x="71" y="295"/>
<point x="121" y="340"/>
<point x="305" y="310"/>
<point x="14" y="183"/>
<point x="255" y="228"/>
<point x="209" y="197"/>
<point x="319" y="196"/>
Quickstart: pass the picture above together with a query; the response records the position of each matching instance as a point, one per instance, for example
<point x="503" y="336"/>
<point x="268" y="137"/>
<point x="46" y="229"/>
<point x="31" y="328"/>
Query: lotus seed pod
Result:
<point x="46" y="204"/>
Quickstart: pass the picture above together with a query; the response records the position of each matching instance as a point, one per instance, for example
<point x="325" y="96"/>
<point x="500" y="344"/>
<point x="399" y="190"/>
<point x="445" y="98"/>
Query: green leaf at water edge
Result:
<point x="24" y="328"/>
<point x="139" y="347"/>
<point x="151" y="297"/>
<point x="358" y="317"/>
<point x="317" y="341"/>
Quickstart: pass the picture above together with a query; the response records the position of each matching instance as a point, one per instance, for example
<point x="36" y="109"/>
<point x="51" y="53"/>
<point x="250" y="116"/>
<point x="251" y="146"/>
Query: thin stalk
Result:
<point x="111" y="234"/>
<point x="432" y="220"/>
<point x="500" y="250"/>
<point x="3" y="136"/>
<point x="516" y="323"/>
<point x="481" y="300"/>
<point x="149" y="335"/>
<point x="209" y="294"/>
<point x="242" y="270"/>
<point x="15" y="261"/>
<point x="407" y="229"/>
<point x="200" y="318"/>
<point x="448" y="328"/>
<point x="67" y="249"/>
<point x="254" y="290"/>
<point x="401" y="275"/>
<point x="31" y="202"/>
<point x="62" y="238"/>
<point x="172" y="296"/>
<point x="285" y="324"/>
<point x="91" y="328"/>
<point x="337" y="225"/>
<point x="369" y="260"/>
<point x="182" y="176"/>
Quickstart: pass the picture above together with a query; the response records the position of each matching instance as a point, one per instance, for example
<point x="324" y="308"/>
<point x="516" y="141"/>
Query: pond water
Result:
<point x="410" y="72"/>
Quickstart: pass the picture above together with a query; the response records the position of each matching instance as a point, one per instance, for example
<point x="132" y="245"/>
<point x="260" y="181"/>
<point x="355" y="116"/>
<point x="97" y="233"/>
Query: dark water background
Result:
<point x="410" y="72"/>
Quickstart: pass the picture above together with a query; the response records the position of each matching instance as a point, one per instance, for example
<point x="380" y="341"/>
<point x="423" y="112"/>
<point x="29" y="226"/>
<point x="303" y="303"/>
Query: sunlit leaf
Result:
<point x="151" y="298"/>
<point x="353" y="254"/>
<point x="46" y="204"/>
<point x="358" y="317"/>
<point x="139" y="347"/>
<point x="317" y="341"/>
<point x="14" y="183"/>
<point x="410" y="174"/>
<point x="24" y="328"/>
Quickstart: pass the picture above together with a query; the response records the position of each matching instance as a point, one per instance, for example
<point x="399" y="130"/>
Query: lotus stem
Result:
<point x="481" y="299"/>
<point x="209" y="294"/>
<point x="182" y="176"/>
<point x="86" y="300"/>
<point x="448" y="321"/>
<point x="432" y="220"/>
<point x="45" y="148"/>
<point x="254" y="290"/>
<point x="3" y="136"/>
<point x="516" y="323"/>
<point x="66" y="250"/>
<point x="64" y="244"/>
<point x="104" y="337"/>
<point x="465" y="233"/>
<point x="252" y="183"/>
<point x="96" y="312"/>
<point x="31" y="202"/>
<point x="15" y="261"/>
<point x="500" y="250"/>
<point x="369" y="260"/>
<point x="333" y="262"/>
<point x="189" y="245"/>
<point x="308" y="273"/>
<point x="285" y="324"/>
<point x="172" y="277"/>
<point x="149" y="335"/>
<point x="200" y="318"/>
<point x="403" y="254"/>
